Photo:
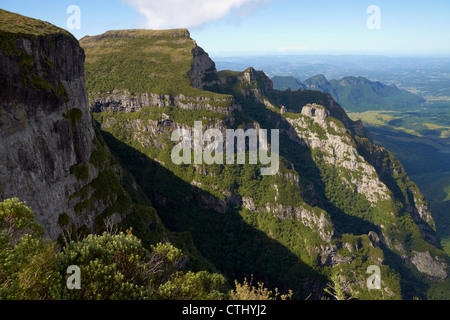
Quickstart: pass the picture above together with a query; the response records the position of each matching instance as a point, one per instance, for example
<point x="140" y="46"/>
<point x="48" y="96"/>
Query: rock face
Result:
<point x="45" y="123"/>
<point x="434" y="267"/>
<point x="123" y="101"/>
<point x="178" y="57"/>
<point x="50" y="154"/>
<point x="203" y="72"/>
<point x="339" y="150"/>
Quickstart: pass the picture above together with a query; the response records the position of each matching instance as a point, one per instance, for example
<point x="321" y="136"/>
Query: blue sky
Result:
<point x="227" y="27"/>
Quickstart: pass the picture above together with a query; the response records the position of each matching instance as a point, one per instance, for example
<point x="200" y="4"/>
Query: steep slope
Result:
<point x="51" y="155"/>
<point x="337" y="203"/>
<point x="356" y="94"/>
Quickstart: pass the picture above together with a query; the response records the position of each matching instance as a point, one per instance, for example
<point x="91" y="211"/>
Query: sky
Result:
<point x="234" y="27"/>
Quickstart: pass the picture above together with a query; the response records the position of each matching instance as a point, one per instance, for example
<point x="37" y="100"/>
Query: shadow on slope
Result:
<point x="234" y="247"/>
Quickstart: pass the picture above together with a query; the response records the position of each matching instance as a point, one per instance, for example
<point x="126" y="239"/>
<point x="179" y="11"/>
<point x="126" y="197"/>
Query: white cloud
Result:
<point x="188" y="13"/>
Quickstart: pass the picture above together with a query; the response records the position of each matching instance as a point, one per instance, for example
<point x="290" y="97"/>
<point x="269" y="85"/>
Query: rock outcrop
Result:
<point x="124" y="101"/>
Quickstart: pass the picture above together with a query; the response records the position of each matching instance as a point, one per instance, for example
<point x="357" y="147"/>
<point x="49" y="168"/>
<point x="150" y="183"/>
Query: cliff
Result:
<point x="51" y="155"/>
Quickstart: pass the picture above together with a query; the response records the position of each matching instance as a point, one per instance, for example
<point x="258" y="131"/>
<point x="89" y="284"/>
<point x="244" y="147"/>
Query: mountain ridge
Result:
<point x="356" y="94"/>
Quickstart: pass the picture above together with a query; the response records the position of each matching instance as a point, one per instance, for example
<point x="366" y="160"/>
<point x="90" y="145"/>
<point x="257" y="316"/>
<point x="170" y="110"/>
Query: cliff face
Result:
<point x="50" y="153"/>
<point x="346" y="159"/>
<point x="45" y="124"/>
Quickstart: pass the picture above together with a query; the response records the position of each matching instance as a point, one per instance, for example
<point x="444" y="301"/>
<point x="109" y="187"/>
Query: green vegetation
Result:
<point x="36" y="75"/>
<point x="246" y="291"/>
<point x="81" y="172"/>
<point x="16" y="220"/>
<point x="112" y="267"/>
<point x="20" y="25"/>
<point x="173" y="113"/>
<point x="63" y="219"/>
<point x="141" y="61"/>
<point x="305" y="229"/>
<point x="241" y="232"/>
<point x="73" y="115"/>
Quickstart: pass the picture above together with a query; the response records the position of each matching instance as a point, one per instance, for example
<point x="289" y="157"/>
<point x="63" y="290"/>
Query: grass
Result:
<point x="142" y="61"/>
<point x="420" y="124"/>
<point x="373" y="117"/>
<point x="229" y="73"/>
<point x="17" y="24"/>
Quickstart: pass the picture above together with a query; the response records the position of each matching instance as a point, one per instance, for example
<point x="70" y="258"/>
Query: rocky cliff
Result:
<point x="51" y="155"/>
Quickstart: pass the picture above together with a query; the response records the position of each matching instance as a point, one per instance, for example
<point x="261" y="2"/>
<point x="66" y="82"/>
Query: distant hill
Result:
<point x="356" y="94"/>
<point x="284" y="83"/>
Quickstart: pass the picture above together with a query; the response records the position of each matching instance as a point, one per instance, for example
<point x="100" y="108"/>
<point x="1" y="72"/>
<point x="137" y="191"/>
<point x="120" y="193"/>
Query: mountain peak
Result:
<point x="316" y="82"/>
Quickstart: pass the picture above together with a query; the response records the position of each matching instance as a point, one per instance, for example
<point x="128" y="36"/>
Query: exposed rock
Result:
<point x="124" y="101"/>
<point x="339" y="150"/>
<point x="248" y="203"/>
<point x="47" y="136"/>
<point x="203" y="73"/>
<point x="330" y="257"/>
<point x="316" y="111"/>
<point x="374" y="237"/>
<point x="319" y="222"/>
<point x="433" y="267"/>
<point x="45" y="124"/>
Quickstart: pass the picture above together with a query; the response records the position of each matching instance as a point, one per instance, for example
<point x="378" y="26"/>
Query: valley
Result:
<point x="420" y="139"/>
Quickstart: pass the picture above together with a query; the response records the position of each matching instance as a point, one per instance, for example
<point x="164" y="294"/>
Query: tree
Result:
<point x="337" y="288"/>
<point x="27" y="262"/>
<point x="192" y="286"/>
<point x="112" y="266"/>
<point x="246" y="291"/>
<point x="16" y="220"/>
